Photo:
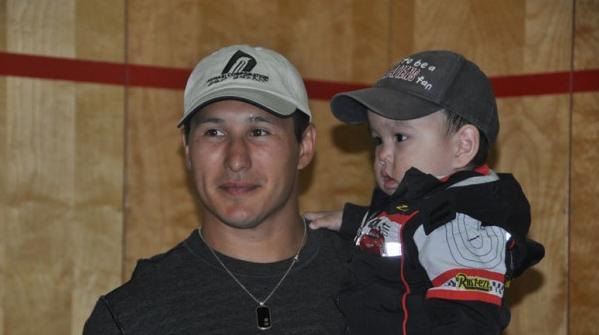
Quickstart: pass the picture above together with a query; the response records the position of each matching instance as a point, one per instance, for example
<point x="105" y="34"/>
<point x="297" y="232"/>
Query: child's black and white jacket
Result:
<point x="435" y="257"/>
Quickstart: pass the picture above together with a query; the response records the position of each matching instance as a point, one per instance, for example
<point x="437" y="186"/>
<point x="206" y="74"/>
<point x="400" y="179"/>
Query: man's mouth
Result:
<point x="238" y="188"/>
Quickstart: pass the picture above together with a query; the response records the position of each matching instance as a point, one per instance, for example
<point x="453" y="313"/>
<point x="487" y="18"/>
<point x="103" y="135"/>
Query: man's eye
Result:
<point x="400" y="137"/>
<point x="213" y="133"/>
<point x="377" y="140"/>
<point x="259" y="132"/>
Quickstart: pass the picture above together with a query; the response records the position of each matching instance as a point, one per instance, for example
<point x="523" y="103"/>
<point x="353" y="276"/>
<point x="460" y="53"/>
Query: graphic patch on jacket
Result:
<point x="381" y="235"/>
<point x="464" y="260"/>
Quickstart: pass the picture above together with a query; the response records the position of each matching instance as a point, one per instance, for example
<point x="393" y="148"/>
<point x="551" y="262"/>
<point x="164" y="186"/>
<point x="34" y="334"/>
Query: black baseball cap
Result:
<point x="421" y="84"/>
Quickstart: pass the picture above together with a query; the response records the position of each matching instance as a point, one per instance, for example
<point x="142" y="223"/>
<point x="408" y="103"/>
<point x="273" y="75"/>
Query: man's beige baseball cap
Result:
<point x="256" y="75"/>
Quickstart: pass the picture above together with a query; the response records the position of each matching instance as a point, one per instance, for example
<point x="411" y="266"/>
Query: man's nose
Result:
<point x="238" y="155"/>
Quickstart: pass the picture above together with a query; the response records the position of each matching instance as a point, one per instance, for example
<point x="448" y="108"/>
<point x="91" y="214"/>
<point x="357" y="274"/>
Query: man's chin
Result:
<point x="242" y="224"/>
<point x="241" y="221"/>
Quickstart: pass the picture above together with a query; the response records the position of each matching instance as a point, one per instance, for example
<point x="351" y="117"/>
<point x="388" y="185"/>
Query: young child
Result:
<point x="443" y="234"/>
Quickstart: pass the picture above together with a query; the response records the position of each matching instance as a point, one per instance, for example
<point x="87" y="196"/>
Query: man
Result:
<point x="253" y="265"/>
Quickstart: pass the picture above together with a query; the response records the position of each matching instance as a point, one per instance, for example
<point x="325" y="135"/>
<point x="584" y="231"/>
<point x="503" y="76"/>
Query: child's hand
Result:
<point x="328" y="219"/>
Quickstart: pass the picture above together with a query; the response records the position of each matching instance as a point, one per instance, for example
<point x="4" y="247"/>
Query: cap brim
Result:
<point x="271" y="102"/>
<point x="352" y="107"/>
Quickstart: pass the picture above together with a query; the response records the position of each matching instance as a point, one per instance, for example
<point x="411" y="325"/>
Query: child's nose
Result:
<point x="385" y="154"/>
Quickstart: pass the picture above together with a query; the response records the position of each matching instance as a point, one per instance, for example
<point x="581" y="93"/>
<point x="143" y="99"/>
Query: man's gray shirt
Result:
<point x="186" y="291"/>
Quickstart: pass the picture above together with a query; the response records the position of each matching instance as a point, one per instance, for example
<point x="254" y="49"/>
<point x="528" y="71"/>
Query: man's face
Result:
<point x="245" y="162"/>
<point x="422" y="143"/>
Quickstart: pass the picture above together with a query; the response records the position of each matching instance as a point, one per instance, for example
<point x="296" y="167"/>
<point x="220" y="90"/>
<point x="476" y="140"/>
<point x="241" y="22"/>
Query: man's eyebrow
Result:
<point x="202" y="120"/>
<point x="257" y="119"/>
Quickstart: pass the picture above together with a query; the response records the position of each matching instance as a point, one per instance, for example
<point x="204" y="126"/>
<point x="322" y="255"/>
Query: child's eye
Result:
<point x="400" y="137"/>
<point x="376" y="141"/>
<point x="259" y="132"/>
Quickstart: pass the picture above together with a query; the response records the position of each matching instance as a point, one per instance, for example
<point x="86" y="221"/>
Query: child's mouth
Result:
<point x="389" y="184"/>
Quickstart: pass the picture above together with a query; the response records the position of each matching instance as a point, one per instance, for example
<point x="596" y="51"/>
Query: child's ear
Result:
<point x="467" y="141"/>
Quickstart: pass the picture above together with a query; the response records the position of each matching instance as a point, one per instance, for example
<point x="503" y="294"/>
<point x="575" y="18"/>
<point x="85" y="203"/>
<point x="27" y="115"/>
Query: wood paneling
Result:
<point x="38" y="177"/>
<point x="586" y="34"/>
<point x="340" y="40"/>
<point x="548" y="36"/>
<point x="160" y="207"/>
<point x="533" y="145"/>
<point x="39" y="194"/>
<point x="99" y="159"/>
<point x="584" y="227"/>
<point x="341" y="170"/>
<point x="61" y="167"/>
<point x="97" y="231"/>
<point x="583" y="279"/>
<point x="100" y="30"/>
<point x="3" y="197"/>
<point x="491" y="33"/>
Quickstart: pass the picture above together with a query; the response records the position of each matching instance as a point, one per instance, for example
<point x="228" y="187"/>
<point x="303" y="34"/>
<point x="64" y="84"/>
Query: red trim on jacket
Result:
<point x="463" y="295"/>
<point x="445" y="276"/>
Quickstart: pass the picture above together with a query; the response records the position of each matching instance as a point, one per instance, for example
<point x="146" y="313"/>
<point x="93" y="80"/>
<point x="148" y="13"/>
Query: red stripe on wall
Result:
<point x="158" y="77"/>
<point x="21" y="65"/>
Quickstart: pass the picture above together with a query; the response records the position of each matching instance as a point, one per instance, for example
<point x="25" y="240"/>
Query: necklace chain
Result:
<point x="293" y="261"/>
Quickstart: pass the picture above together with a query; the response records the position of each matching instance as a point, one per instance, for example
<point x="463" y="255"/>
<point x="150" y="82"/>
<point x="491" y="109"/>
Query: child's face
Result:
<point x="422" y="143"/>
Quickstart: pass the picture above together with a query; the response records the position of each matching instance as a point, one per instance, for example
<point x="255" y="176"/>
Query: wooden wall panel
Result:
<point x="341" y="171"/>
<point x="100" y="30"/>
<point x="488" y="32"/>
<point x="39" y="189"/>
<point x="99" y="161"/>
<point x="160" y="207"/>
<point x="503" y="37"/>
<point x="96" y="234"/>
<point x="583" y="279"/>
<point x="533" y="145"/>
<point x="61" y="167"/>
<point x="3" y="151"/>
<point x="37" y="179"/>
<point x="548" y="36"/>
<point x="321" y="39"/>
<point x="584" y="189"/>
<point x="583" y="276"/>
<point x="43" y="27"/>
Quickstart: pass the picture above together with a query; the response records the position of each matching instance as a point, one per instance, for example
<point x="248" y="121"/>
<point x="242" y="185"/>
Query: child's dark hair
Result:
<point x="454" y="123"/>
<point x="301" y="121"/>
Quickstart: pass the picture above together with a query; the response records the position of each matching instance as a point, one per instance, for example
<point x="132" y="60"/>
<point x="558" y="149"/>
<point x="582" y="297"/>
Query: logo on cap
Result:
<point x="239" y="66"/>
<point x="240" y="62"/>
<point x="411" y="69"/>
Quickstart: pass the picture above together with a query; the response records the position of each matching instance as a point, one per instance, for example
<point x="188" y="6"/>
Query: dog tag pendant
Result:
<point x="263" y="317"/>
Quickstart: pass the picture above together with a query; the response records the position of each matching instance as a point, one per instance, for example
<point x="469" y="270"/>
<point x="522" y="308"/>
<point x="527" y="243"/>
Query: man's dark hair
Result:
<point x="301" y="121"/>
<point x="454" y="123"/>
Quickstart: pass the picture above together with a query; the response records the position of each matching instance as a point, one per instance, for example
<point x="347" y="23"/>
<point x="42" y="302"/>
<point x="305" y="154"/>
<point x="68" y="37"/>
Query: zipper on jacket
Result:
<point x="404" y="298"/>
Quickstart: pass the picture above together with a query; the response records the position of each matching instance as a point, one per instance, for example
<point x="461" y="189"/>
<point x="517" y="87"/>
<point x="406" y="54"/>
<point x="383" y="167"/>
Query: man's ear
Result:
<point x="466" y="143"/>
<point x="307" y="146"/>
<point x="186" y="149"/>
